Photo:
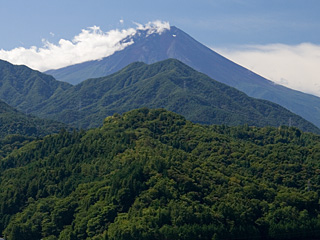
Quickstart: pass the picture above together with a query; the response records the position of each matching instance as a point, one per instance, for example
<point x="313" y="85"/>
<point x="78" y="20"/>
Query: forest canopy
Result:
<point x="151" y="174"/>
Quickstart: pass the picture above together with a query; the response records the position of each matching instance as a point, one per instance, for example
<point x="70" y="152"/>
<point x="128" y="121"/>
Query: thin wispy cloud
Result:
<point x="296" y="67"/>
<point x="91" y="44"/>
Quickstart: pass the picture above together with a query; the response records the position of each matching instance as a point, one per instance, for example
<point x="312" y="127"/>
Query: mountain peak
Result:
<point x="174" y="43"/>
<point x="144" y="31"/>
<point x="154" y="27"/>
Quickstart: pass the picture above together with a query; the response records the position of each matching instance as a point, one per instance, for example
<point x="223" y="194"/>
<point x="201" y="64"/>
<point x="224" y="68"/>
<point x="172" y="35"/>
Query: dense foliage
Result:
<point x="17" y="123"/>
<point x="169" y="84"/>
<point x="150" y="174"/>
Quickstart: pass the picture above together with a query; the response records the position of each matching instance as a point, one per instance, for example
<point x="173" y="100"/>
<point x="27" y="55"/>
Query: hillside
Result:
<point x="15" y="122"/>
<point x="169" y="84"/>
<point x="22" y="87"/>
<point x="175" y="43"/>
<point x="150" y="174"/>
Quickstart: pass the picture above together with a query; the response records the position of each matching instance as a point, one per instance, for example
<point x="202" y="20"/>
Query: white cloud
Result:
<point x="154" y="27"/>
<point x="90" y="44"/>
<point x="296" y="67"/>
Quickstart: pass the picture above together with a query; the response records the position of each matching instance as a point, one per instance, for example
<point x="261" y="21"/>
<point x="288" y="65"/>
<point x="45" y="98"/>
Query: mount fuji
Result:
<point x="174" y="43"/>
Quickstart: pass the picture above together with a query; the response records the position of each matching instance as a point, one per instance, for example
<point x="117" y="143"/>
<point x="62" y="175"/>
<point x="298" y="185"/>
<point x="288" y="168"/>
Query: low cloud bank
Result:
<point x="91" y="44"/>
<point x="296" y="67"/>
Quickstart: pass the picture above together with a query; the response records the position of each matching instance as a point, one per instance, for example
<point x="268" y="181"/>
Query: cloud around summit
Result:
<point x="90" y="44"/>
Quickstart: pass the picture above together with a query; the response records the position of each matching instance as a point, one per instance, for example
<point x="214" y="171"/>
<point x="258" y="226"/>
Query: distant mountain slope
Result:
<point x="175" y="43"/>
<point x="22" y="87"/>
<point x="169" y="84"/>
<point x="15" y="122"/>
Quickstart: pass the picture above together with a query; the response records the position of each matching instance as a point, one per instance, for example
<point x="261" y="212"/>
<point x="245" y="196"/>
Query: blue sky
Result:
<point x="243" y="30"/>
<point x="212" y="22"/>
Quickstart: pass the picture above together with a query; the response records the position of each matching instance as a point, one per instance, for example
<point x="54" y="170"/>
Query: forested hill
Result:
<point x="23" y="88"/>
<point x="150" y="174"/>
<point x="15" y="122"/>
<point x="168" y="84"/>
